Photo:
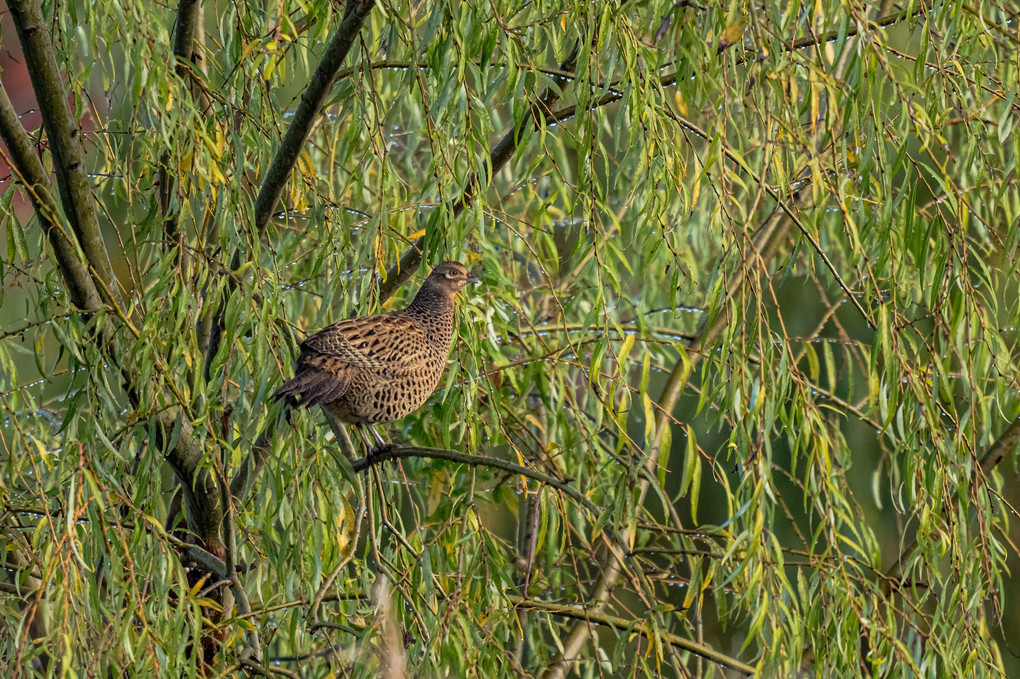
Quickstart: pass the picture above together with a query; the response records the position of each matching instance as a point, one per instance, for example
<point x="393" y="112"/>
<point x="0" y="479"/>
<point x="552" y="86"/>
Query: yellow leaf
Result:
<point x="681" y="103"/>
<point x="732" y="34"/>
<point x="305" y="161"/>
<point x="346" y="538"/>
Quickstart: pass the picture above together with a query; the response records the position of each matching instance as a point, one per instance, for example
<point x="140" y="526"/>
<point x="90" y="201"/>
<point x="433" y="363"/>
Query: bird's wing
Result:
<point x="384" y="341"/>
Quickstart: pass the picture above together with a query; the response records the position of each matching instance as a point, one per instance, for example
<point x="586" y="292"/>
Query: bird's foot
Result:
<point x="380" y="449"/>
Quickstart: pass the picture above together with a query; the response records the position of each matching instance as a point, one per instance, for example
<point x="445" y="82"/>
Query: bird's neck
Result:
<point x="433" y="307"/>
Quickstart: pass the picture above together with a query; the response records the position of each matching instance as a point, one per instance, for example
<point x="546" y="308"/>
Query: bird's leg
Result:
<point x="364" y="438"/>
<point x="380" y="445"/>
<point x="372" y="448"/>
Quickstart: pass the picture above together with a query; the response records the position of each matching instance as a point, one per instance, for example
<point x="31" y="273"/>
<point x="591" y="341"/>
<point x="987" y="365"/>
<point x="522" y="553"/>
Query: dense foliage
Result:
<point x="732" y="397"/>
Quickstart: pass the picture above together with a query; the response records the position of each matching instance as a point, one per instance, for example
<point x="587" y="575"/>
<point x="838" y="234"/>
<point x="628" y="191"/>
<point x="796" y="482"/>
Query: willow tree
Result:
<point x="732" y="398"/>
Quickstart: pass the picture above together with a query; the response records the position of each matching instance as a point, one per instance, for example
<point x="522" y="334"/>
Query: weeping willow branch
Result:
<point x="27" y="167"/>
<point x="308" y="110"/>
<point x="293" y="141"/>
<point x="401" y="272"/>
<point x="640" y="626"/>
<point x="1007" y="441"/>
<point x="539" y="112"/>
<point x="766" y="243"/>
<point x="63" y="134"/>
<point x="185" y="454"/>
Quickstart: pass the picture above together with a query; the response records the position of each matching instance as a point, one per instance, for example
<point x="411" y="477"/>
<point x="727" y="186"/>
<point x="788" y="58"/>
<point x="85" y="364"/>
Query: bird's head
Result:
<point x="450" y="277"/>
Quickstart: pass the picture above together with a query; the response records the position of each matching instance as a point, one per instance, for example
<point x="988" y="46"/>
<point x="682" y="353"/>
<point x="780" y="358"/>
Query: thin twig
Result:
<point x="639" y="626"/>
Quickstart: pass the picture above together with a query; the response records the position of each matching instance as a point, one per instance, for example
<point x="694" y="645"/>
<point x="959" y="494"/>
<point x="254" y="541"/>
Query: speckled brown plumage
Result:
<point x="380" y="368"/>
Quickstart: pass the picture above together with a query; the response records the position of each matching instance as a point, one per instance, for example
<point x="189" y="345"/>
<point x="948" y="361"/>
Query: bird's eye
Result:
<point x="451" y="274"/>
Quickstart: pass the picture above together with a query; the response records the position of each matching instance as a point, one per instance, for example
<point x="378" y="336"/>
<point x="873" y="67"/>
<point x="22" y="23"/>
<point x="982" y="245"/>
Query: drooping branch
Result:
<point x="767" y="240"/>
<point x="587" y="616"/>
<point x="92" y="281"/>
<point x="1007" y="441"/>
<point x="401" y="272"/>
<point x="63" y="135"/>
<point x="187" y="453"/>
<point x="269" y="194"/>
<point x="252" y="465"/>
<point x="852" y="30"/>
<point x="308" y="110"/>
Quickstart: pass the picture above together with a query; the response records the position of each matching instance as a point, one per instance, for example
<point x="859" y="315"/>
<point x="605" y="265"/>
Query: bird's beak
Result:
<point x="473" y="280"/>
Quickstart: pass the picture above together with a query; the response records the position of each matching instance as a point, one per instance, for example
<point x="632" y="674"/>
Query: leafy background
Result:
<point x="733" y="394"/>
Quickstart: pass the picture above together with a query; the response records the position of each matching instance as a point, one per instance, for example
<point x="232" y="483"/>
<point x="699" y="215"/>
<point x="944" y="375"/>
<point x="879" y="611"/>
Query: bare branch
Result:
<point x="184" y="36"/>
<point x="1007" y="441"/>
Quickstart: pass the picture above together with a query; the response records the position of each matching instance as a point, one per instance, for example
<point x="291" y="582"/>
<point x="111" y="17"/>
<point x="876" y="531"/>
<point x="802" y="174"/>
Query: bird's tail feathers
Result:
<point x="312" y="387"/>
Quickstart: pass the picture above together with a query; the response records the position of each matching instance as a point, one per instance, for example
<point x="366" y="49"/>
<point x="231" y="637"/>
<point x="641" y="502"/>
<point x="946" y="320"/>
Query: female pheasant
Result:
<point x="372" y="369"/>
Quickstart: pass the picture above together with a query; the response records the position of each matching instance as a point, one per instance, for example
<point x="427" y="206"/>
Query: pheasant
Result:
<point x="372" y="369"/>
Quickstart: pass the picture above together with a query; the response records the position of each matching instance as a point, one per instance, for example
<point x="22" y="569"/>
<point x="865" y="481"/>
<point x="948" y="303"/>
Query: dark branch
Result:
<point x="1007" y="441"/>
<point x="89" y="283"/>
<point x="405" y="452"/>
<point x="504" y="149"/>
<point x="29" y="170"/>
<point x="290" y="147"/>
<point x="64" y="140"/>
<point x="539" y="113"/>
<point x="184" y="36"/>
<point x="188" y="12"/>
<point x="852" y="30"/>
<point x="308" y="110"/>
